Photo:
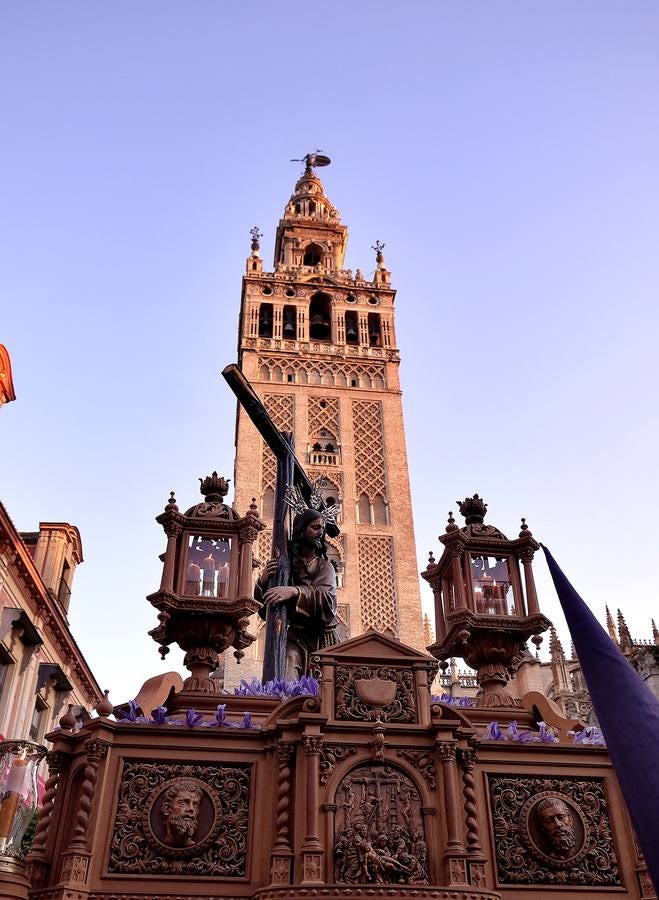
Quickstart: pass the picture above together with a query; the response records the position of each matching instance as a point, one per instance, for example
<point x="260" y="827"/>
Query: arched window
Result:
<point x="268" y="503"/>
<point x="264" y="373"/>
<point x="379" y="510"/>
<point x="352" y="327"/>
<point x="265" y="320"/>
<point x="320" y="319"/>
<point x="289" y="324"/>
<point x="313" y="255"/>
<point x="374" y="330"/>
<point x="364" y="510"/>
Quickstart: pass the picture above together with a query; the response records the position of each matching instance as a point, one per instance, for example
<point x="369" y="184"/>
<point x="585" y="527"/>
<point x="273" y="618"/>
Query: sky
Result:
<point x="505" y="152"/>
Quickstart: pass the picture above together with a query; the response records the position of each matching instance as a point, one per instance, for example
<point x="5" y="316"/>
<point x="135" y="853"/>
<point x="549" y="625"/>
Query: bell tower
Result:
<point x="318" y="344"/>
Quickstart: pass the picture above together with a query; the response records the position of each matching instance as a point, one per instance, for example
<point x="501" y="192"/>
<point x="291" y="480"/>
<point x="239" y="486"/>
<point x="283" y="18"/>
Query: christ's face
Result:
<point x="313" y="533"/>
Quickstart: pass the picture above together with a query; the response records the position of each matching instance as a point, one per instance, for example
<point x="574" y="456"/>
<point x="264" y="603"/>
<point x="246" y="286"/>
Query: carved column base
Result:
<point x="13" y="881"/>
<point x="75" y="868"/>
<point x="280" y="868"/>
<point x="477" y="875"/>
<point x="312" y="867"/>
<point x="36" y="871"/>
<point x="456" y="870"/>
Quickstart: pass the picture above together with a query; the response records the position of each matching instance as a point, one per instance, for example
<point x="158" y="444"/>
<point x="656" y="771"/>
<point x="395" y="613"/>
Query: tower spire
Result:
<point x="610" y="624"/>
<point x="625" y="640"/>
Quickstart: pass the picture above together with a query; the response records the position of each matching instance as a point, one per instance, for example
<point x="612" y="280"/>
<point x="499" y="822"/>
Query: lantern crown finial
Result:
<point x="473" y="509"/>
<point x="214" y="487"/>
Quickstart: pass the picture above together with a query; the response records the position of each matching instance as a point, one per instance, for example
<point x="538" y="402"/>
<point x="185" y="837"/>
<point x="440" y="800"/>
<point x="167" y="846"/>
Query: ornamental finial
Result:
<point x="378" y="246"/>
<point x="256" y="237"/>
<point x="214" y="487"/>
<point x="473" y="509"/>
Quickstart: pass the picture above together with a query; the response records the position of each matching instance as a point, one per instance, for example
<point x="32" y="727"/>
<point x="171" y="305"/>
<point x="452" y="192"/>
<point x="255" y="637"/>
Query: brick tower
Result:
<point x="318" y="344"/>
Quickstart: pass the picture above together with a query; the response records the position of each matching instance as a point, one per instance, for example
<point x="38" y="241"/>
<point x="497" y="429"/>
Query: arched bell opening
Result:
<point x="352" y="327"/>
<point x="320" y="317"/>
<point x="313" y="255"/>
<point x="374" y="330"/>
<point x="265" y="320"/>
<point x="289" y="323"/>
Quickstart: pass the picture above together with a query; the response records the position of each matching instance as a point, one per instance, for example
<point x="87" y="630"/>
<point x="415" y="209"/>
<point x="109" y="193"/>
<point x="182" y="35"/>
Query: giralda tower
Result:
<point x="318" y="344"/>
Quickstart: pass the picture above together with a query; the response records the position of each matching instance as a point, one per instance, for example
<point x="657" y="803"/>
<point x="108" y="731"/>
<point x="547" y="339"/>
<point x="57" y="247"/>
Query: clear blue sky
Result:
<point x="505" y="152"/>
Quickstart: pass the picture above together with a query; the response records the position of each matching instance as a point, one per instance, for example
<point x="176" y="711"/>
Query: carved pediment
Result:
<point x="374" y="646"/>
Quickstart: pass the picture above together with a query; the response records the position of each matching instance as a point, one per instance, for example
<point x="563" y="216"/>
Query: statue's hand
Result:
<point x="280" y="594"/>
<point x="269" y="570"/>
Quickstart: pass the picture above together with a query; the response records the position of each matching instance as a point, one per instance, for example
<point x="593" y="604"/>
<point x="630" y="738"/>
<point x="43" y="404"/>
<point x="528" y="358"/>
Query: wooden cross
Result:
<point x="289" y="474"/>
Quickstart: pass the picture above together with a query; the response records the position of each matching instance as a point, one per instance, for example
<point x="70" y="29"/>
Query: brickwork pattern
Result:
<point x="319" y="371"/>
<point x="370" y="477"/>
<point x="377" y="587"/>
<point x="323" y="413"/>
<point x="281" y="409"/>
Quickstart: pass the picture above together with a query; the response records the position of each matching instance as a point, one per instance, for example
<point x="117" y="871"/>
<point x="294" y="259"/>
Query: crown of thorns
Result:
<point x="293" y="497"/>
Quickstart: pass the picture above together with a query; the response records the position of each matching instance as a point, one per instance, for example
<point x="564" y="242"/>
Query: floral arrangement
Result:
<point x="544" y="735"/>
<point x="279" y="687"/>
<point x="191" y="719"/>
<point x="588" y="735"/>
<point x="450" y="700"/>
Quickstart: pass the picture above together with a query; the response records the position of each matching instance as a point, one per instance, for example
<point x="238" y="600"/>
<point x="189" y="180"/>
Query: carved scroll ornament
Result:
<point x="365" y="693"/>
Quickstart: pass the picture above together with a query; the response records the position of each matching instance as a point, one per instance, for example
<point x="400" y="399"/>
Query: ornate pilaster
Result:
<point x="456" y="869"/>
<point x="467" y="761"/>
<point x="312" y="856"/>
<point x="75" y="862"/>
<point x="38" y="860"/>
<point x="280" y="858"/>
<point x="172" y="530"/>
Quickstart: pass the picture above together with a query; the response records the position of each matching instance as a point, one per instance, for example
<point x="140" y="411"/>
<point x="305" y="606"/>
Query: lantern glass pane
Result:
<point x="493" y="592"/>
<point x="207" y="566"/>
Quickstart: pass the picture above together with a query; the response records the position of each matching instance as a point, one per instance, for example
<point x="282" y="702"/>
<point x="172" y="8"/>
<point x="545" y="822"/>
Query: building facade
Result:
<point x="42" y="669"/>
<point x="318" y="344"/>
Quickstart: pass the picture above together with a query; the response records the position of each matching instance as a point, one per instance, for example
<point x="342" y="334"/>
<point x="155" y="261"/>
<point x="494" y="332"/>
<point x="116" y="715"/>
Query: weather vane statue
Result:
<point x="313" y="160"/>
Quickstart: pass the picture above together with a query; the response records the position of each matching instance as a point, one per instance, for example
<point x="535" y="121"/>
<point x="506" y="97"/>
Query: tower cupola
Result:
<point x="310" y="237"/>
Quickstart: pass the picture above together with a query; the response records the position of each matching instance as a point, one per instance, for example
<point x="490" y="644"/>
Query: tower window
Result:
<point x="265" y="320"/>
<point x="379" y="510"/>
<point x="320" y="322"/>
<point x="289" y="325"/>
<point x="313" y="255"/>
<point x="352" y="327"/>
<point x="374" y="330"/>
<point x="364" y="510"/>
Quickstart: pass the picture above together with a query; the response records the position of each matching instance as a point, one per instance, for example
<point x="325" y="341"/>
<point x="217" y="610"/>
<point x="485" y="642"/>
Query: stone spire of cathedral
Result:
<point x="655" y="633"/>
<point x="558" y="667"/>
<point x="625" y="638"/>
<point x="610" y="624"/>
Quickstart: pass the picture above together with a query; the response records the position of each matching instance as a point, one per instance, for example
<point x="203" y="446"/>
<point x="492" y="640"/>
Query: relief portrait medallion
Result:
<point x="181" y="817"/>
<point x="554" y="830"/>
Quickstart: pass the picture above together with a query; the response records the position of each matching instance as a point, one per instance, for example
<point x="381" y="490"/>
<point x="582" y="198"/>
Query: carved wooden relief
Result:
<point x="365" y="693"/>
<point x="181" y="818"/>
<point x="552" y="831"/>
<point x="379" y="833"/>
